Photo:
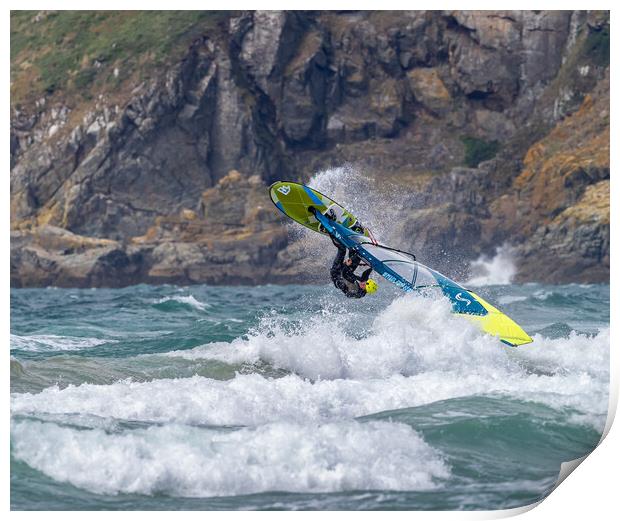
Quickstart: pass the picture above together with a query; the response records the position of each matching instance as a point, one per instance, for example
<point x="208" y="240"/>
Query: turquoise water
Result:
<point x="292" y="397"/>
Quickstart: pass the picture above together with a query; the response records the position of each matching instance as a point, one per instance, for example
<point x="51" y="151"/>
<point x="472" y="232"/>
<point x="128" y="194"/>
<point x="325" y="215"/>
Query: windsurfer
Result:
<point x="344" y="277"/>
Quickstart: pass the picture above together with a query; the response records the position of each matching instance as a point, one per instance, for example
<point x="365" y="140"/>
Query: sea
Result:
<point x="294" y="397"/>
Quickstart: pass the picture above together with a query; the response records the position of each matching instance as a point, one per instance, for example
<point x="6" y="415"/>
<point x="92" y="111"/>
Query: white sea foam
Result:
<point x="255" y="400"/>
<point x="571" y="372"/>
<point x="577" y="354"/>
<point x="39" y="343"/>
<point x="542" y="294"/>
<point x="415" y="353"/>
<point x="412" y="335"/>
<point x="497" y="270"/>
<point x="188" y="300"/>
<point x="185" y="461"/>
<point x="509" y="299"/>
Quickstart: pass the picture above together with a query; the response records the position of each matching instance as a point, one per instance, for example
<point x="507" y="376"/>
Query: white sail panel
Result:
<point x="415" y="273"/>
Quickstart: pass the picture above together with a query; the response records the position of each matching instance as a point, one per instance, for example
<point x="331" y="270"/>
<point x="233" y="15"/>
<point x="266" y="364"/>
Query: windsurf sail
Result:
<point x="403" y="270"/>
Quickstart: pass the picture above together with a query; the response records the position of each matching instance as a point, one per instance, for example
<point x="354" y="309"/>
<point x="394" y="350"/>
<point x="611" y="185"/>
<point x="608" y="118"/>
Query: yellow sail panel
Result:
<point x="295" y="201"/>
<point x="497" y="324"/>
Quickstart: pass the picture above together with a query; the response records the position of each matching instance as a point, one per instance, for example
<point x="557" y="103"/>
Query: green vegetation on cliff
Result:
<point x="478" y="150"/>
<point x="597" y="46"/>
<point x="84" y="51"/>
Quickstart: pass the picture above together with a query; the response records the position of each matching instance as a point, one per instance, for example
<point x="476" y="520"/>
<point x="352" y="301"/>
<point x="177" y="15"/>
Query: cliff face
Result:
<point x="492" y="127"/>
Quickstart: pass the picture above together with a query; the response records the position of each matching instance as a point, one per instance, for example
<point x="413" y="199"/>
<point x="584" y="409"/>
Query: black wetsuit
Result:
<point x="344" y="276"/>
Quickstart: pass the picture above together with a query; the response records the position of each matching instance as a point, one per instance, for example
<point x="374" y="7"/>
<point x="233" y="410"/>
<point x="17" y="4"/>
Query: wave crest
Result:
<point x="191" y="462"/>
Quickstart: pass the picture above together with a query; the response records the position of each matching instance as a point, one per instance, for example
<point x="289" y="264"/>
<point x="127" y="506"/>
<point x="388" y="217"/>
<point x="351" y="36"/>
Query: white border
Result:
<point x="590" y="491"/>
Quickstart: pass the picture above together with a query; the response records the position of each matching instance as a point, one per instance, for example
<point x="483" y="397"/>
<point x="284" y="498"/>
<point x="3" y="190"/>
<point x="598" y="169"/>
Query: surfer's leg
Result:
<point x="336" y="243"/>
<point x="365" y="275"/>
<point x="355" y="260"/>
<point x="337" y="265"/>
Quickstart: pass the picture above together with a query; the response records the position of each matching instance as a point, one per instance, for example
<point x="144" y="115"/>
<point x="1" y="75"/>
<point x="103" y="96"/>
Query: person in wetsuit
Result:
<point x="344" y="277"/>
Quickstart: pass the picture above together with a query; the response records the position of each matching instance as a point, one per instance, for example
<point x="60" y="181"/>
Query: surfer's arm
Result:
<point x="364" y="276"/>
<point x="336" y="243"/>
<point x="355" y="260"/>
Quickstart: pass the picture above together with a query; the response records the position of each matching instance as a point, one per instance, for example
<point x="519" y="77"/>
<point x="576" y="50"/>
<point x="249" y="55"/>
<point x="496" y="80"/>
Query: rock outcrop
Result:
<point x="565" y="187"/>
<point x="166" y="181"/>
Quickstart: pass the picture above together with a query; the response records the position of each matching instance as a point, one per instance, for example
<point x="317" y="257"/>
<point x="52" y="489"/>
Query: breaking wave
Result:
<point x="40" y="343"/>
<point x="173" y="303"/>
<point x="191" y="462"/>
<point x="415" y="352"/>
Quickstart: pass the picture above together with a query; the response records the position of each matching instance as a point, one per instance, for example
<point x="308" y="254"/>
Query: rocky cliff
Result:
<point x="479" y="128"/>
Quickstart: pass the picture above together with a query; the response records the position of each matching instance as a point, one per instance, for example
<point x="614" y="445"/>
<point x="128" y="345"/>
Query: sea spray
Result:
<point x="375" y="204"/>
<point x="499" y="269"/>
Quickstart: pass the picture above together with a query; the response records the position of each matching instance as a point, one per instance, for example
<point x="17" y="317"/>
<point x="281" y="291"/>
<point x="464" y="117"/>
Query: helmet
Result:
<point x="371" y="286"/>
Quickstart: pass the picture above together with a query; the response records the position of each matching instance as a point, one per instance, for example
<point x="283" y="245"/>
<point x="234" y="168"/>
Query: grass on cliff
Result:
<point x="479" y="150"/>
<point x="76" y="52"/>
<point x="596" y="46"/>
